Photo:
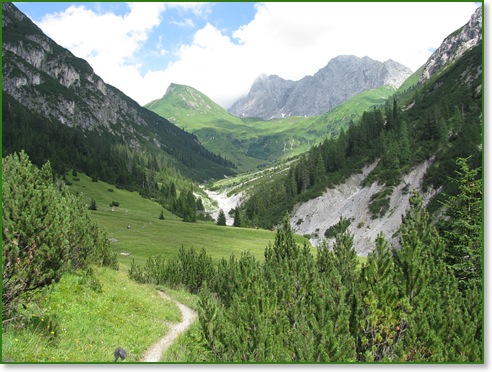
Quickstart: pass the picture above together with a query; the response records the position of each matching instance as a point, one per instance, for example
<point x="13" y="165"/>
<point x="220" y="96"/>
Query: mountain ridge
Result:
<point x="49" y="82"/>
<point x="343" y="77"/>
<point x="253" y="142"/>
<point x="454" y="46"/>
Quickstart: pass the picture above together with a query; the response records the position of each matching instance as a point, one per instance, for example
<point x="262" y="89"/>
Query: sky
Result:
<point x="221" y="48"/>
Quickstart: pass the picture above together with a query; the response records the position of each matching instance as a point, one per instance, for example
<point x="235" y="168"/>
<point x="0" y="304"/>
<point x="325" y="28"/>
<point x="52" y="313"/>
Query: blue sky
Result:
<point x="176" y="28"/>
<point x="220" y="48"/>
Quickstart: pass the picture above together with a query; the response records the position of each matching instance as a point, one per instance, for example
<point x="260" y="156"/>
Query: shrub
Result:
<point x="46" y="231"/>
<point x="339" y="228"/>
<point x="93" y="205"/>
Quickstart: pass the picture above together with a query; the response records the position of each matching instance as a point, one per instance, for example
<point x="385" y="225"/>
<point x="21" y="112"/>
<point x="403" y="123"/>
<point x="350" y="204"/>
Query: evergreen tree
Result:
<point x="199" y="205"/>
<point x="436" y="323"/>
<point x="46" y="231"/>
<point x="93" y="205"/>
<point x="237" y="218"/>
<point x="383" y="316"/>
<point x="463" y="231"/>
<point x="346" y="264"/>
<point x="221" y="219"/>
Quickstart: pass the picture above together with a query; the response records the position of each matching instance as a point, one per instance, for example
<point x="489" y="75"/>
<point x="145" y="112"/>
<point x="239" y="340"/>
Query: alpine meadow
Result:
<point x="336" y="218"/>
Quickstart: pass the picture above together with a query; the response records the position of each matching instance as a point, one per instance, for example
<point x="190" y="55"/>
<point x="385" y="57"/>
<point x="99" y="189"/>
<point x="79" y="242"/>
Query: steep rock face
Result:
<point x="455" y="45"/>
<point x="266" y="98"/>
<point x="343" y="77"/>
<point x="51" y="81"/>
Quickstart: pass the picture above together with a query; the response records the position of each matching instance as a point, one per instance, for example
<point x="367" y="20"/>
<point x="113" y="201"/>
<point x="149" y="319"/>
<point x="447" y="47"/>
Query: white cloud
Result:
<point x="288" y="39"/>
<point x="107" y="41"/>
<point x="293" y="40"/>
<point x="187" y="22"/>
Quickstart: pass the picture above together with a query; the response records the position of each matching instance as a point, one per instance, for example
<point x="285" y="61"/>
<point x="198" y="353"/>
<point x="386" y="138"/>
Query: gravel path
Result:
<point x="188" y="317"/>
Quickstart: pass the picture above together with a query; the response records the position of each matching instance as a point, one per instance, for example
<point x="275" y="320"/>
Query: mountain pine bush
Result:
<point x="406" y="304"/>
<point x="46" y="231"/>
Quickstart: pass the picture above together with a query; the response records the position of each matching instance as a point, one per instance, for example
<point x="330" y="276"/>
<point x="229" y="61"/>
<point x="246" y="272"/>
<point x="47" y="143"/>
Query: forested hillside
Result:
<point x="56" y="108"/>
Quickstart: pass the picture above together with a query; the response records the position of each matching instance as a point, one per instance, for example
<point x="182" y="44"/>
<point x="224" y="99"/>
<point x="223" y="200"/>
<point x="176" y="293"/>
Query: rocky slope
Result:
<point x="343" y="77"/>
<point x="50" y="82"/>
<point x="350" y="201"/>
<point x="455" y="45"/>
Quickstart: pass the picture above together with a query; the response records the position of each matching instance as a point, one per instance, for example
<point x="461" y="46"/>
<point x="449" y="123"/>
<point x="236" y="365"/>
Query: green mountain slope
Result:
<point x="250" y="142"/>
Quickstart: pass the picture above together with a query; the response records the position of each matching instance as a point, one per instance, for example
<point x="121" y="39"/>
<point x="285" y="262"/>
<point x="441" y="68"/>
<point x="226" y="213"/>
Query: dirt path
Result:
<point x="188" y="317"/>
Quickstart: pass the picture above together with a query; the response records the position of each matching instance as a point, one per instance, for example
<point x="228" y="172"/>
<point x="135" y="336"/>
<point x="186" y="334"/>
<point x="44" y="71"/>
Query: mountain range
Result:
<point x="434" y="119"/>
<point x="342" y="78"/>
<point x="56" y="108"/>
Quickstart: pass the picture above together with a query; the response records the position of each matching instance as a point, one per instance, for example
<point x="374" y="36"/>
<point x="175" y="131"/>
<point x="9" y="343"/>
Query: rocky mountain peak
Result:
<point x="455" y="45"/>
<point x="342" y="78"/>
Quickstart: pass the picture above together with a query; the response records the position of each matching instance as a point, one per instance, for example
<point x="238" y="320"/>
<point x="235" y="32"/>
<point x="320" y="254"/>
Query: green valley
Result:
<point x="353" y="236"/>
<point x="252" y="142"/>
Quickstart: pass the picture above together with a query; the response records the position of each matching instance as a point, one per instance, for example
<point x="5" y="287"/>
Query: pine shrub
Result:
<point x="46" y="231"/>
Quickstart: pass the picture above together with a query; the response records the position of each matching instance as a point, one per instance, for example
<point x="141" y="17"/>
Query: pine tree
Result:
<point x="221" y="219"/>
<point x="436" y="323"/>
<point x="346" y="264"/>
<point x="382" y="319"/>
<point x="237" y="218"/>
<point x="463" y="231"/>
<point x="46" y="231"/>
<point x="93" y="205"/>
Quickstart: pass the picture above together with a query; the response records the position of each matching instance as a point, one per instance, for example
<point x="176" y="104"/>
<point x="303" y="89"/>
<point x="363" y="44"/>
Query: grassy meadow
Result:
<point x="85" y="316"/>
<point x="149" y="236"/>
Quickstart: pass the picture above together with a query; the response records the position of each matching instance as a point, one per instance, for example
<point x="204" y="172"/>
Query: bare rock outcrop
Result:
<point x="454" y="46"/>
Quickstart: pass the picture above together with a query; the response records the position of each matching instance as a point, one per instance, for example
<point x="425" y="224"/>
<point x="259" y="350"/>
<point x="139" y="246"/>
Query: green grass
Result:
<point x="149" y="236"/>
<point x="189" y="347"/>
<point x="77" y="323"/>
